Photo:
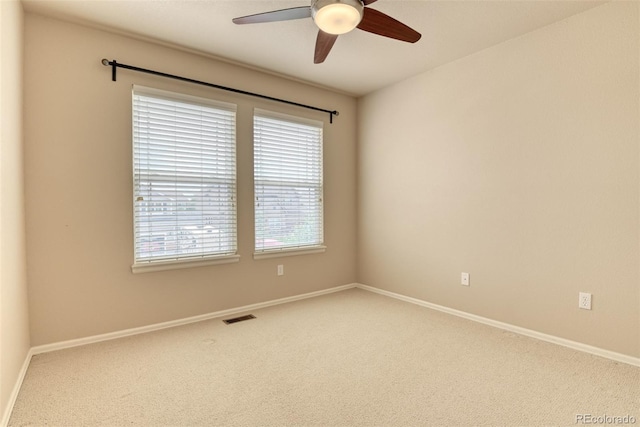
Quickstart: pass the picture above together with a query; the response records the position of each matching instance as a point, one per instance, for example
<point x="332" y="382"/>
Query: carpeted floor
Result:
<point x="351" y="358"/>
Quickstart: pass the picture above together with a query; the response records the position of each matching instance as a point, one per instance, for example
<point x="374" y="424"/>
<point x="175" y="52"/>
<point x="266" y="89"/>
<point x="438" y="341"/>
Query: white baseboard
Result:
<point x="16" y="389"/>
<point x="618" y="357"/>
<point x="179" y="322"/>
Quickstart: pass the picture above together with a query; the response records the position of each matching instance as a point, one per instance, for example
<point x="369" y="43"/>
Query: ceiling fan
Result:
<point x="335" y="17"/>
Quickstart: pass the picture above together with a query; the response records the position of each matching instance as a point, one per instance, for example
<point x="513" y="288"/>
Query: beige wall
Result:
<point x="79" y="197"/>
<point x="14" y="316"/>
<point x="520" y="165"/>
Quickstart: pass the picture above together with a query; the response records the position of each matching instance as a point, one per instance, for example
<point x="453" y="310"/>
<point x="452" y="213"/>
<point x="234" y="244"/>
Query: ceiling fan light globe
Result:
<point x="337" y="16"/>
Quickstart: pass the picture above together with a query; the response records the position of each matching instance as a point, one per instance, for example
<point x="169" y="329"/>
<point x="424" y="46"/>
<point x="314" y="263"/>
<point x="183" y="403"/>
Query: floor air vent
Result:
<point x="239" y="319"/>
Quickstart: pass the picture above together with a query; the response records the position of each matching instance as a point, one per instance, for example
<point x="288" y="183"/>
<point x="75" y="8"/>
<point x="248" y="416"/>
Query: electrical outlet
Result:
<point x="464" y="279"/>
<point x="280" y="270"/>
<point x="584" y="300"/>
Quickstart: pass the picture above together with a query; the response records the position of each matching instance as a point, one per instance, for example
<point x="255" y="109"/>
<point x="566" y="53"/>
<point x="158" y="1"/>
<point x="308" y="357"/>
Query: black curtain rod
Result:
<point x="115" y="65"/>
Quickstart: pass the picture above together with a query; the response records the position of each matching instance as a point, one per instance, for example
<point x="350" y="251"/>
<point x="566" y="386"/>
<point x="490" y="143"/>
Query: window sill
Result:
<point x="277" y="253"/>
<point x="148" y="267"/>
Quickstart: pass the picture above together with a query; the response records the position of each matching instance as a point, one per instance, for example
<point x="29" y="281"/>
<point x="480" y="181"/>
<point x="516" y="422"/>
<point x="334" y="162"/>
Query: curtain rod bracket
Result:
<point x="114" y="65"/>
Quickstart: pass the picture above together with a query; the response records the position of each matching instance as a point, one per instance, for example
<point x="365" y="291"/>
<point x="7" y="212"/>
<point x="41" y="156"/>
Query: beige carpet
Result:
<point x="346" y="359"/>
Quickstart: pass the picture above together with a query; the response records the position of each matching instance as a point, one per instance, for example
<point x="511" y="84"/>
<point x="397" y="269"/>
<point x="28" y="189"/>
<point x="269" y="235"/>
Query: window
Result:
<point x="288" y="184"/>
<point x="184" y="180"/>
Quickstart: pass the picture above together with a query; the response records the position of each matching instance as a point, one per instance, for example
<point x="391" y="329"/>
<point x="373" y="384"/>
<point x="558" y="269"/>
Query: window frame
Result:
<point x="183" y="260"/>
<point x="319" y="247"/>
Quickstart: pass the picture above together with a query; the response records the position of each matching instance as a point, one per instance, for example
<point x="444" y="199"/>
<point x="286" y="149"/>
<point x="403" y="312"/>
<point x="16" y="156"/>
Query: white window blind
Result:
<point x="288" y="182"/>
<point x="184" y="167"/>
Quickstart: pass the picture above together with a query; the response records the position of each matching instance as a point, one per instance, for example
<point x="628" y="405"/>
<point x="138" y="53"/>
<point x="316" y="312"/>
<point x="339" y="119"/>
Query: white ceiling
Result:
<point x="359" y="62"/>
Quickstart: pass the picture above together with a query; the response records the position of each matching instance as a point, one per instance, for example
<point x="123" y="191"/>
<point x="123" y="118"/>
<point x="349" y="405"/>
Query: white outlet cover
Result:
<point x="584" y="300"/>
<point x="464" y="279"/>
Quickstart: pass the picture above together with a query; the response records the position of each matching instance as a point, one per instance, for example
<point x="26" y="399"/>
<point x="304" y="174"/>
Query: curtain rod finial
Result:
<point x="105" y="61"/>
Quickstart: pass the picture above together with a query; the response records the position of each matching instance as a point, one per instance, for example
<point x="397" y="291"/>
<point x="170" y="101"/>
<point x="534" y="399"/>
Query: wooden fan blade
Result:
<point x="324" y="43"/>
<point x="366" y="2"/>
<point x="275" y="15"/>
<point x="377" y="22"/>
